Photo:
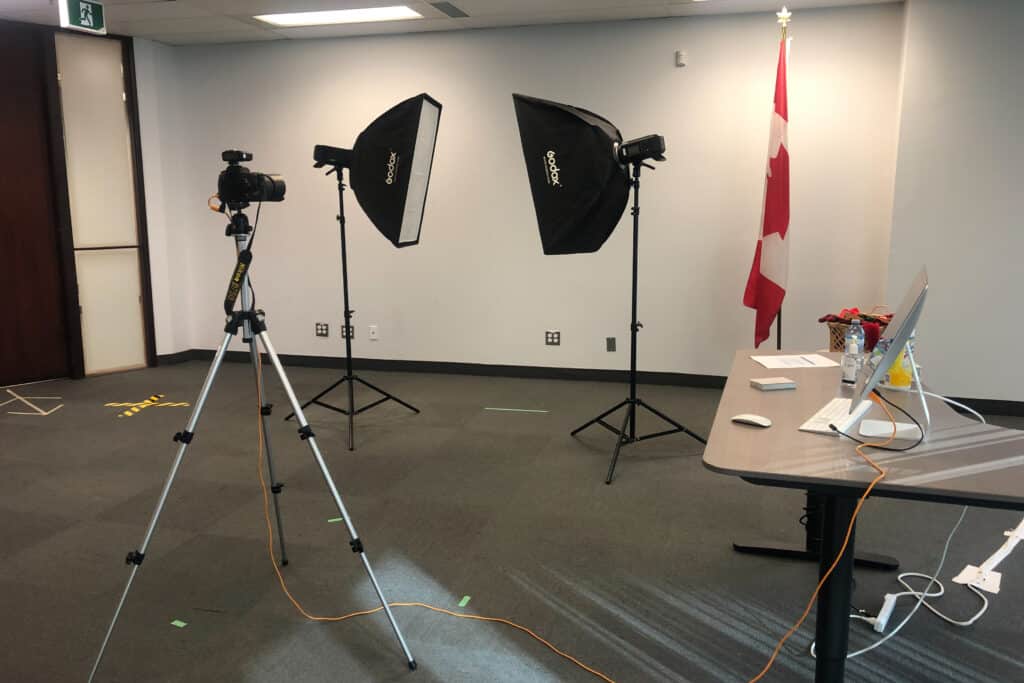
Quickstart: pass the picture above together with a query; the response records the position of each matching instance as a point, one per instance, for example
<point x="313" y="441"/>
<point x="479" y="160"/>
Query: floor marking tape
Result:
<point x="179" y="623"/>
<point x="37" y="410"/>
<point x="332" y="521"/>
<point x="517" y="410"/>
<point x="464" y="601"/>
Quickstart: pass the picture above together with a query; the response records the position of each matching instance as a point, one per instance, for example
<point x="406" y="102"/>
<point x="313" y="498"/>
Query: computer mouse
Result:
<point x="754" y="420"/>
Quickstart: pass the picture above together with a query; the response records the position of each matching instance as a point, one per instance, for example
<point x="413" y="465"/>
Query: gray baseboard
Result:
<point x="682" y="379"/>
<point x="480" y="369"/>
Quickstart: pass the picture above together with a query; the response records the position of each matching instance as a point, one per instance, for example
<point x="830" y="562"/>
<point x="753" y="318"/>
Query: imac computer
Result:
<point x="841" y="414"/>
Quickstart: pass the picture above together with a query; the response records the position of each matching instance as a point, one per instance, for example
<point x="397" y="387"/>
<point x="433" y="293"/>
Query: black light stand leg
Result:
<point x="316" y="399"/>
<point x="811" y="550"/>
<point x="387" y="396"/>
<point x="629" y="419"/>
<point x="833" y="626"/>
<point x="624" y="437"/>
<point x="349" y="377"/>
<point x="600" y="419"/>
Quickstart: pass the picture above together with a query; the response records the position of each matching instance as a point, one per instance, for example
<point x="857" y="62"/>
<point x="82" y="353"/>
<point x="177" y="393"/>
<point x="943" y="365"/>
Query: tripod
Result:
<point x="253" y="326"/>
<point x="349" y="376"/>
<point x="627" y="434"/>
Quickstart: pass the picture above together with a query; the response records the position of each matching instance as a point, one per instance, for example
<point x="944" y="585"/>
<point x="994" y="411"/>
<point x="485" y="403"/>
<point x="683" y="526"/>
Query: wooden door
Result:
<point x="33" y="330"/>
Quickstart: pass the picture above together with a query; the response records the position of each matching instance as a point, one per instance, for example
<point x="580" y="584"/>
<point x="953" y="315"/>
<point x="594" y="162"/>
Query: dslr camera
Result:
<point x="237" y="186"/>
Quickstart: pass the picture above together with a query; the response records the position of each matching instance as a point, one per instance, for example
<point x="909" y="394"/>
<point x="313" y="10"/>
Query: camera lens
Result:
<point x="271" y="188"/>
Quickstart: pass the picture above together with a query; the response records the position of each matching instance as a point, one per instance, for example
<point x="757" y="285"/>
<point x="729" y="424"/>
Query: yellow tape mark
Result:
<point x="151" y="402"/>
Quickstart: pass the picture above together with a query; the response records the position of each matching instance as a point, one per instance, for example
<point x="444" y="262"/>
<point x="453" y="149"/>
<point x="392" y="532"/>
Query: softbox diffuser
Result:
<point x="579" y="187"/>
<point x="391" y="167"/>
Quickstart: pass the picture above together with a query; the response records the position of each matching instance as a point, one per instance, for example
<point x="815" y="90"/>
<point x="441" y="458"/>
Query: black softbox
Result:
<point x="390" y="167"/>
<point x="579" y="187"/>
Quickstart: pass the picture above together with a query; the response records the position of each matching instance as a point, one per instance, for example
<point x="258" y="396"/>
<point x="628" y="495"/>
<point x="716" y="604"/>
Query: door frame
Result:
<point x="46" y="36"/>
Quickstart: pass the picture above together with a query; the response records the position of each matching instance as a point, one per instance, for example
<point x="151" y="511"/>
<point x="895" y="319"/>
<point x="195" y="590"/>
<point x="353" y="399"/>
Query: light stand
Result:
<point x="627" y="434"/>
<point x="251" y="321"/>
<point x="350" y="378"/>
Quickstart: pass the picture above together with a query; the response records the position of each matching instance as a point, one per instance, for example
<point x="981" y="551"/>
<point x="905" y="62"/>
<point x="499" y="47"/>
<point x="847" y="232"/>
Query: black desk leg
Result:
<point x="811" y="549"/>
<point x="833" y="628"/>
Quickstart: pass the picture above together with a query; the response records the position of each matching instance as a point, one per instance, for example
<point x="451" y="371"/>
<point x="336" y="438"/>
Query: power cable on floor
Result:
<point x="441" y="610"/>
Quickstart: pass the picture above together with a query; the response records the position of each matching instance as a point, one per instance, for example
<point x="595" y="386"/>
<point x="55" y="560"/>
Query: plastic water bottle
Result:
<point x="854" y="351"/>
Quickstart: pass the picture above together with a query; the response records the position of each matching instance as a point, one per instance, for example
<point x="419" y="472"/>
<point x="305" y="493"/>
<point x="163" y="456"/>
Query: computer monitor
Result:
<point x="892" y="341"/>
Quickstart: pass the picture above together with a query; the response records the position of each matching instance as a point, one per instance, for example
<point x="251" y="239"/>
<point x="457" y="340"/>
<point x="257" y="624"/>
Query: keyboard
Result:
<point x="836" y="412"/>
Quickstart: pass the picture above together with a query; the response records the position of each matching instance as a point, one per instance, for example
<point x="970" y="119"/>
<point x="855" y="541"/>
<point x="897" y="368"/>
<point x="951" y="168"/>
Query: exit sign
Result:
<point x="83" y="15"/>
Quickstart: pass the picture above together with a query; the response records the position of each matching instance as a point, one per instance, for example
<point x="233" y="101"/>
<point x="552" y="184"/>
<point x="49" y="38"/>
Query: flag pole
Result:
<point x="784" y="16"/>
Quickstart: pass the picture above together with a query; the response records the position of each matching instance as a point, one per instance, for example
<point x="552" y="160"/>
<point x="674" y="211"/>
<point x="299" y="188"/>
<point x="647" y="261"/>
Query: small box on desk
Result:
<point x="772" y="383"/>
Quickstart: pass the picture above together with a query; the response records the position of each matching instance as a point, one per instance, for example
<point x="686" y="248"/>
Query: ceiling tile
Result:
<point x="165" y="9"/>
<point x="213" y="38"/>
<point x="149" y="27"/>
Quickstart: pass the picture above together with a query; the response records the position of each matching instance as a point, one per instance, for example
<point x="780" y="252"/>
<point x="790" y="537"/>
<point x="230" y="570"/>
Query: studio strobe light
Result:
<point x="579" y="172"/>
<point x="389" y="169"/>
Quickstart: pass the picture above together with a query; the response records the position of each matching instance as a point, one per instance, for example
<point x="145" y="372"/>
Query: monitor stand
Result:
<point x="882" y="429"/>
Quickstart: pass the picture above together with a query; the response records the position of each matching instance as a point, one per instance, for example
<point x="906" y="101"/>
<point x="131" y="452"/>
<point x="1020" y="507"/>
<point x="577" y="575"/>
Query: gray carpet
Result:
<point x="637" y="579"/>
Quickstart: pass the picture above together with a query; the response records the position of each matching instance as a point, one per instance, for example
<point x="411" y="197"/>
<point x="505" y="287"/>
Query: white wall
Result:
<point x="156" y="71"/>
<point x="958" y="205"/>
<point x="478" y="289"/>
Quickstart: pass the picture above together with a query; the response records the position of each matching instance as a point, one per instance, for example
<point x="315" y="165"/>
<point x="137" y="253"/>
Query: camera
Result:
<point x="237" y="186"/>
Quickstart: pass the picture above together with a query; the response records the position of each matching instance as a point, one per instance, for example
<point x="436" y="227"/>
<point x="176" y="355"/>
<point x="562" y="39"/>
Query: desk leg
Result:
<point x="833" y="627"/>
<point x="811" y="550"/>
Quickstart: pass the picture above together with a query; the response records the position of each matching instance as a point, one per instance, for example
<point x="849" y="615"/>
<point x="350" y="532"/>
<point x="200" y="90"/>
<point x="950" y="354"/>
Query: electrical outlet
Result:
<point x="553" y="338"/>
<point x="373" y="333"/>
<point x="609" y="343"/>
<point x="322" y="330"/>
<point x="347" y="331"/>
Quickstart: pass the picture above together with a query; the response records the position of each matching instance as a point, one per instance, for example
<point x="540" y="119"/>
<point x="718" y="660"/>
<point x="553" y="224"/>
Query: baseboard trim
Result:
<point x="682" y="379"/>
<point x="479" y="369"/>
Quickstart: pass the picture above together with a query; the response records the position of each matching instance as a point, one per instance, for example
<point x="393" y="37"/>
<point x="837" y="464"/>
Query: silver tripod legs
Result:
<point x="184" y="438"/>
<point x="357" y="545"/>
<point x="275" y="486"/>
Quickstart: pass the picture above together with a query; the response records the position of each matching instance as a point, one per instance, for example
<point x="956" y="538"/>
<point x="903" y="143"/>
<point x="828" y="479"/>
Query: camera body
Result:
<point x="237" y="186"/>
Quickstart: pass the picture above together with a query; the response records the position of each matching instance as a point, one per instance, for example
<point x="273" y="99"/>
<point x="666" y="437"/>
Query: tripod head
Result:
<point x="238" y="225"/>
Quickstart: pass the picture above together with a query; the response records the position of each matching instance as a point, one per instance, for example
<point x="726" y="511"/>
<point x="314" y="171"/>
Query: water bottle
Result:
<point x="853" y="351"/>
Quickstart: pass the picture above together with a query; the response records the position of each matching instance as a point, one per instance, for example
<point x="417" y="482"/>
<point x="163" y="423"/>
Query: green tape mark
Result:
<point x="333" y="521"/>
<point x="179" y="623"/>
<point x="464" y="601"/>
<point x="517" y="410"/>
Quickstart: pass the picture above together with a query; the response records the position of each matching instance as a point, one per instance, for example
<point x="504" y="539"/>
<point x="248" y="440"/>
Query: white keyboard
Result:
<point x="835" y="412"/>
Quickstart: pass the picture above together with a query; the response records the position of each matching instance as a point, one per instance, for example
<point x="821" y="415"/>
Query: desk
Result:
<point x="962" y="463"/>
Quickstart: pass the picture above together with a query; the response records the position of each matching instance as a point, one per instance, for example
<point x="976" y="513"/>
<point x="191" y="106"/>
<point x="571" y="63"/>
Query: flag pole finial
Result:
<point x="785" y="16"/>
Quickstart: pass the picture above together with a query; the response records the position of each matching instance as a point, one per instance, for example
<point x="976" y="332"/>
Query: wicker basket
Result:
<point x="837" y="331"/>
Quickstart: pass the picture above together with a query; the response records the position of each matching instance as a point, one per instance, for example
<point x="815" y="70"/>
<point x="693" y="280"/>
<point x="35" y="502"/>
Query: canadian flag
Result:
<point x="766" y="285"/>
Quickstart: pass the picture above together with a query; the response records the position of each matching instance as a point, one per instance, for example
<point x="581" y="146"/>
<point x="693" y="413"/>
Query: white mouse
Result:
<point x="755" y="420"/>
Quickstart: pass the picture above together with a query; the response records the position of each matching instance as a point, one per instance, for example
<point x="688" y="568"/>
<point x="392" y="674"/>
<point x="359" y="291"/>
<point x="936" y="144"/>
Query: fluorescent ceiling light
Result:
<point x="341" y="16"/>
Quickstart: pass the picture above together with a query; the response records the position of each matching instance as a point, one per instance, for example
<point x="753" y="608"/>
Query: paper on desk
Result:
<point x="807" y="360"/>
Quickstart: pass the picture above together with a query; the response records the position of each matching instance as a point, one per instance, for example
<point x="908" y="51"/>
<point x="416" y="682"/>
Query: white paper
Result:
<point x="807" y="360"/>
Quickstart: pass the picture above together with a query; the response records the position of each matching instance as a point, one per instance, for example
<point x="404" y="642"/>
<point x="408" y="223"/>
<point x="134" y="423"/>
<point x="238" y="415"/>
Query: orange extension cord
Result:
<point x="846" y="540"/>
<point x="312" y="617"/>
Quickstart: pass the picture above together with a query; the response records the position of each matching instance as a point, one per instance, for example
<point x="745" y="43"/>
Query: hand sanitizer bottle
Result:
<point x="854" y="351"/>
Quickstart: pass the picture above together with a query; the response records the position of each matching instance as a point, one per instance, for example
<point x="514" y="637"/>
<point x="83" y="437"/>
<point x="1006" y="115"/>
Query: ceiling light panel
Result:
<point x="342" y="16"/>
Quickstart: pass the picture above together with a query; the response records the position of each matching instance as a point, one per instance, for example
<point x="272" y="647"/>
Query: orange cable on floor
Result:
<point x="846" y="539"/>
<point x="312" y="617"/>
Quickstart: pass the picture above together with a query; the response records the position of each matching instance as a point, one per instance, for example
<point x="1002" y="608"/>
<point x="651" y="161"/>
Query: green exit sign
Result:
<point x="83" y="15"/>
